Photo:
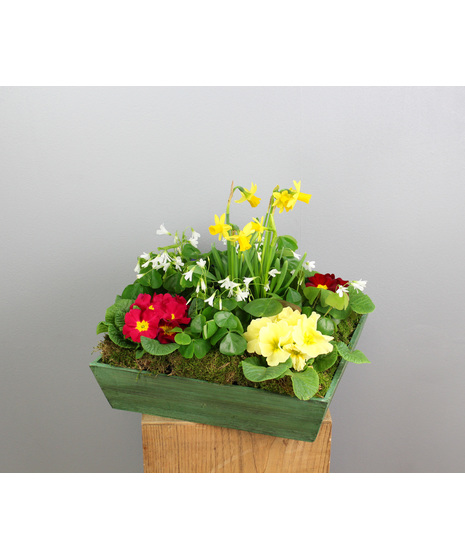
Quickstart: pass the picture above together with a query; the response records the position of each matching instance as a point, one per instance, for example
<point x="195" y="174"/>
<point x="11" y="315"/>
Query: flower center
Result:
<point x="142" y="326"/>
<point x="322" y="287"/>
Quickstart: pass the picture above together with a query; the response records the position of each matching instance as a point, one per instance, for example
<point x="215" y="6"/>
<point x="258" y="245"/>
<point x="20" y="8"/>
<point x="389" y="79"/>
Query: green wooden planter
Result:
<point x="239" y="407"/>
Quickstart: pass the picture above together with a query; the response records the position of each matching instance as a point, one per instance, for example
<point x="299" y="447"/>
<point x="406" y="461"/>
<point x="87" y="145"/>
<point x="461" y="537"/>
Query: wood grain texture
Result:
<point x="176" y="446"/>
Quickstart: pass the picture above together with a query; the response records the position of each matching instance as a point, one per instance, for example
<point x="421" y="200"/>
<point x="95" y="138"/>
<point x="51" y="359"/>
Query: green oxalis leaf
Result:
<point x="351" y="356"/>
<point x="151" y="279"/>
<point x="263" y="307"/>
<point x="328" y="298"/>
<point x="359" y="302"/>
<point x="233" y="344"/>
<point x="209" y="329"/>
<point x="227" y="320"/>
<point x="182" y="339"/>
<point x="201" y="347"/>
<point x="196" y="325"/>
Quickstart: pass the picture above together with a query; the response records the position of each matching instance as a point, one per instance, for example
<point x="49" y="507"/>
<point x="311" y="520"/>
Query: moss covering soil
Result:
<point x="216" y="367"/>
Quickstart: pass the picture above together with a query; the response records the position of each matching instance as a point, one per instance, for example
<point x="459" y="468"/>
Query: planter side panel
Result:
<point x="236" y="407"/>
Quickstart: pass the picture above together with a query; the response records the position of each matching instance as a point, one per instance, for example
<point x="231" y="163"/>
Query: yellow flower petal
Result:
<point x="299" y="359"/>
<point x="308" y="339"/>
<point x="220" y="228"/>
<point x="248" y="195"/>
<point x="271" y="339"/>
<point x="253" y="332"/>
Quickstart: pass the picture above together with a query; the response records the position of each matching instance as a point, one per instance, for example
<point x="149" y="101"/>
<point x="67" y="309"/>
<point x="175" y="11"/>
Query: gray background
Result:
<point x="87" y="176"/>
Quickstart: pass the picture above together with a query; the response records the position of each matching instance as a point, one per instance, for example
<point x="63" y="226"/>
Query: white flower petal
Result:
<point x="162" y="230"/>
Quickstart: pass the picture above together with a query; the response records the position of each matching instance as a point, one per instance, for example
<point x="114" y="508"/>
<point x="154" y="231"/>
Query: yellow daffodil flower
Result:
<point x="248" y="195"/>
<point x="288" y="198"/>
<point x="257" y="226"/>
<point x="308" y="339"/>
<point x="272" y="338"/>
<point x="283" y="201"/>
<point x="243" y="238"/>
<point x="220" y="228"/>
<point x="298" y="195"/>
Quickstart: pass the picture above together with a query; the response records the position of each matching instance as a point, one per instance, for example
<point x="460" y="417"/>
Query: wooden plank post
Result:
<point x="177" y="446"/>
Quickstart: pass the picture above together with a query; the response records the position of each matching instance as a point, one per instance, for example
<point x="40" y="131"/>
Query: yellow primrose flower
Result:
<point x="248" y="195"/>
<point x="253" y="332"/>
<point x="299" y="359"/>
<point x="243" y="237"/>
<point x="308" y="339"/>
<point x="272" y="338"/>
<point x="219" y="227"/>
<point x="289" y="315"/>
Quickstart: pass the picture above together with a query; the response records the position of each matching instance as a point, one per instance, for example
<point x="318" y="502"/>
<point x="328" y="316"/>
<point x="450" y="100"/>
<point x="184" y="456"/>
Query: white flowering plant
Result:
<point x="253" y="296"/>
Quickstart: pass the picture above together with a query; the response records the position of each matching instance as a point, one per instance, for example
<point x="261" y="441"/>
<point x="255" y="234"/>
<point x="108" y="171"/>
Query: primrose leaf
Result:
<point x="154" y="347"/>
<point x="305" y="384"/>
<point x="256" y="372"/>
<point x="351" y="356"/>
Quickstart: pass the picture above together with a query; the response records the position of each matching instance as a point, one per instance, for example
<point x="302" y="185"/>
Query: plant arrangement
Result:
<point x="251" y="299"/>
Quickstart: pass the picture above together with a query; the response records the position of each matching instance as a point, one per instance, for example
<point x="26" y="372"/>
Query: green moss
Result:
<point x="216" y="367"/>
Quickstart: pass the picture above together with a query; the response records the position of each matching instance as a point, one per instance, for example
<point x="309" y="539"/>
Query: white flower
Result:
<point x="201" y="263"/>
<point x="143" y="256"/>
<point x="359" y="285"/>
<point x="161" y="261"/>
<point x="274" y="272"/>
<point x="178" y="263"/>
<point x="242" y="295"/>
<point x="210" y="300"/>
<point x="140" y="275"/>
<point x="228" y="284"/>
<point x="162" y="230"/>
<point x="188" y="275"/>
<point x="309" y="266"/>
<point x="201" y="285"/>
<point x="267" y="287"/>
<point x="247" y="280"/>
<point x="298" y="256"/>
<point x="194" y="238"/>
<point x="341" y="290"/>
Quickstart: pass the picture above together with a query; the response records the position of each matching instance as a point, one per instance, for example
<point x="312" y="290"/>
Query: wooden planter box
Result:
<point x="239" y="407"/>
